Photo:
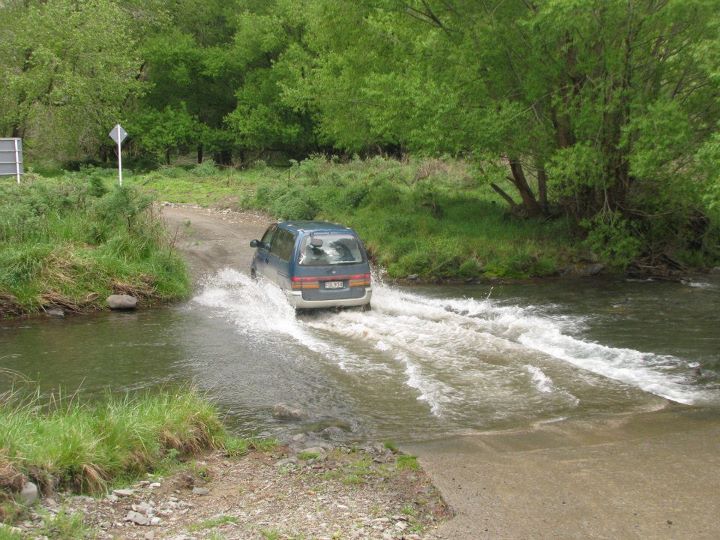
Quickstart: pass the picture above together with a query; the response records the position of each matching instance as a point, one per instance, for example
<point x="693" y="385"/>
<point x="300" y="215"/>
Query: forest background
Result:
<point x="593" y="123"/>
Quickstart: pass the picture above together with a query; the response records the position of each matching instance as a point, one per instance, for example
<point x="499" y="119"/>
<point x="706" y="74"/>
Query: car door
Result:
<point x="262" y="255"/>
<point x="279" y="259"/>
<point x="280" y="254"/>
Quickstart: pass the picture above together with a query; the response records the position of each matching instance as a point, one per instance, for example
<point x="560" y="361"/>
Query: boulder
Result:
<point x="29" y="493"/>
<point x="282" y="411"/>
<point x="121" y="301"/>
<point x="137" y="518"/>
<point x="55" y="312"/>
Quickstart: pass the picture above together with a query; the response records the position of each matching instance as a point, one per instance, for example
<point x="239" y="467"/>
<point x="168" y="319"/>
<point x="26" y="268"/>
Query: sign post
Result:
<point x="118" y="134"/>
<point x="17" y="159"/>
<point x="11" y="157"/>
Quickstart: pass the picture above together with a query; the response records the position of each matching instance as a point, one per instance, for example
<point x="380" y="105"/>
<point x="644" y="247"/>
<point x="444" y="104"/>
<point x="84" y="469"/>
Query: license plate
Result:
<point x="334" y="284"/>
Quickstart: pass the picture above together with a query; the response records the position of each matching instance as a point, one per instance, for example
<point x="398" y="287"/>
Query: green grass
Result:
<point x="88" y="447"/>
<point x="432" y="218"/>
<point x="72" y="241"/>
<point x="212" y="523"/>
<point x="64" y="526"/>
<point x="407" y="463"/>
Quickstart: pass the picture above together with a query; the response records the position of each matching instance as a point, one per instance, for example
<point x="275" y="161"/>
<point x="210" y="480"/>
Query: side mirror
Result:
<point x="254" y="243"/>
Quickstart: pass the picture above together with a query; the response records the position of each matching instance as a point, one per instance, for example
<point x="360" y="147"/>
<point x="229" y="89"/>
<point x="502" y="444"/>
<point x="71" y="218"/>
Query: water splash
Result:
<point x="458" y="354"/>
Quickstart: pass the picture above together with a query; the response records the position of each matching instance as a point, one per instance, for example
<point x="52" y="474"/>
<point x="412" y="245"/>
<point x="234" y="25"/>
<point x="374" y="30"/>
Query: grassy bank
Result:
<point x="71" y="242"/>
<point x="431" y="218"/>
<point x="66" y="444"/>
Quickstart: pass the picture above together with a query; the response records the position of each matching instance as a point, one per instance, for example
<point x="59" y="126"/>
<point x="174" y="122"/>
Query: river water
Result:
<point x="426" y="362"/>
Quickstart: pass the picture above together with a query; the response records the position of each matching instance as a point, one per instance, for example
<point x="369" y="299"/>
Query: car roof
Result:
<point x="313" y="226"/>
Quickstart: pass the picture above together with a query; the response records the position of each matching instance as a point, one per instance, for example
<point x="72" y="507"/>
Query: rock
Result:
<point x="155" y="485"/>
<point x="155" y="521"/>
<point x="282" y="411"/>
<point x="316" y="450"/>
<point x="150" y="535"/>
<point x="55" y="313"/>
<point x="121" y="301"/>
<point x="300" y="437"/>
<point x="112" y="498"/>
<point x="200" y="491"/>
<point x="29" y="493"/>
<point x="590" y="270"/>
<point x="144" y="508"/>
<point x="291" y="461"/>
<point x="333" y="432"/>
<point x="124" y="492"/>
<point x="137" y="518"/>
<point x="715" y="270"/>
<point x="412" y="277"/>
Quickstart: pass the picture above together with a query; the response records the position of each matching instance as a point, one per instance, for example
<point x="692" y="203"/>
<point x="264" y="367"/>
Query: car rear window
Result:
<point x="325" y="249"/>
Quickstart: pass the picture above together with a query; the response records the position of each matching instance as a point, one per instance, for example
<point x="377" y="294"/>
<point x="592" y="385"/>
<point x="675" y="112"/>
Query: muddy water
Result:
<point x="424" y="363"/>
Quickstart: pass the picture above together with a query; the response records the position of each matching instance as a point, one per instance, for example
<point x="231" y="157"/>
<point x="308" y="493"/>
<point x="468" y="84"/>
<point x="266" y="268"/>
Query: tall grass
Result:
<point x="432" y="218"/>
<point x="83" y="447"/>
<point x="72" y="241"/>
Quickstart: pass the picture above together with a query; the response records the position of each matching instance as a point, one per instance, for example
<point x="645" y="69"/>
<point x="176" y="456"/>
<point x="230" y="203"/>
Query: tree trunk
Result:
<point x="529" y="202"/>
<point x="200" y="153"/>
<point x="542" y="188"/>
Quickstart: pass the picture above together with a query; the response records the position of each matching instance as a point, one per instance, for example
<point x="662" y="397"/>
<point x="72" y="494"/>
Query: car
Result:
<point x="318" y="264"/>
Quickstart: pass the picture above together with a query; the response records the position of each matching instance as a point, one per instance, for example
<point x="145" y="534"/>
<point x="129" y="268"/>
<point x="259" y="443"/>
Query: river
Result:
<point x="425" y="363"/>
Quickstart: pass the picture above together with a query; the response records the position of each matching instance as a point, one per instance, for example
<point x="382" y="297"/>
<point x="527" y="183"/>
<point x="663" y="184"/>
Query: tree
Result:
<point x="597" y="108"/>
<point x="68" y="69"/>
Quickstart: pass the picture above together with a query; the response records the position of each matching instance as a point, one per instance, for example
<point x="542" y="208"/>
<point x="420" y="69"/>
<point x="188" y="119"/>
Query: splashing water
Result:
<point x="464" y="358"/>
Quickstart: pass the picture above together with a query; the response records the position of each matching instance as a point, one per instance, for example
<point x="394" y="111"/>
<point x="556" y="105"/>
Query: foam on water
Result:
<point x="452" y="351"/>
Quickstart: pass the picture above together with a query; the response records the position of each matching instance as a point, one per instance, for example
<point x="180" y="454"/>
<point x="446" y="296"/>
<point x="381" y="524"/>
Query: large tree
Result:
<point x="66" y="70"/>
<point x="595" y="107"/>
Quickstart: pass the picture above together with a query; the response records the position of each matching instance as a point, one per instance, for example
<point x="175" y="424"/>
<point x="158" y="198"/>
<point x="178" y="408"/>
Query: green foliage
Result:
<point x="65" y="526"/>
<point x="212" y="523"/>
<point x="86" y="446"/>
<point x="582" y="109"/>
<point x="66" y="69"/>
<point x="396" y="215"/>
<point x="407" y="462"/>
<point x="611" y="237"/>
<point x="70" y="243"/>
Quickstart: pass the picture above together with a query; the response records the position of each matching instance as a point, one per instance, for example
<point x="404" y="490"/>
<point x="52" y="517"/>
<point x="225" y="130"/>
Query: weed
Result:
<point x="407" y="463"/>
<point x="263" y="445"/>
<point x="235" y="446"/>
<point x="65" y="526"/>
<point x="7" y="533"/>
<point x="409" y="510"/>
<point x="306" y="456"/>
<point x="212" y="523"/>
<point x="391" y="446"/>
<point x="270" y="534"/>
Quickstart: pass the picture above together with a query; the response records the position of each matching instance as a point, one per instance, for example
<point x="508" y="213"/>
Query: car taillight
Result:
<point x="360" y="280"/>
<point x="313" y="282"/>
<point x="299" y="283"/>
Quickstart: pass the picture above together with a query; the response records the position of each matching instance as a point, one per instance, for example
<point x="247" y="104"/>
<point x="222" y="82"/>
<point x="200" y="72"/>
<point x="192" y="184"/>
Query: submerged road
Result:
<point x="653" y="474"/>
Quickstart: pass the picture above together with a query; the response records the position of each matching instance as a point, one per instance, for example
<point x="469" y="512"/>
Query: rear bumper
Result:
<point x="296" y="300"/>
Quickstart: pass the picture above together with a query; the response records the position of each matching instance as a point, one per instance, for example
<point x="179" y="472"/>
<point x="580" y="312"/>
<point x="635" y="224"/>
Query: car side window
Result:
<point x="283" y="245"/>
<point x="267" y="238"/>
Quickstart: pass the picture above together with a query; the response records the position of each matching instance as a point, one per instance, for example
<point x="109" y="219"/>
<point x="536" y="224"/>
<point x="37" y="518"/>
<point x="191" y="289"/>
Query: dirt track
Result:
<point x="650" y="475"/>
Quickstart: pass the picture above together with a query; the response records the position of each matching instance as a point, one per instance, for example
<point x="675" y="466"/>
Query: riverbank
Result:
<point x="163" y="466"/>
<point x="67" y="244"/>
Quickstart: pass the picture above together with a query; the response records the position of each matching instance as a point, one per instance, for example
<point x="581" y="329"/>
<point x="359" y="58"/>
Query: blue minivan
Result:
<point x="317" y="264"/>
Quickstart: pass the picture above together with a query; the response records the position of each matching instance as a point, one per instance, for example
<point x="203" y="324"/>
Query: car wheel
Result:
<point x="366" y="307"/>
